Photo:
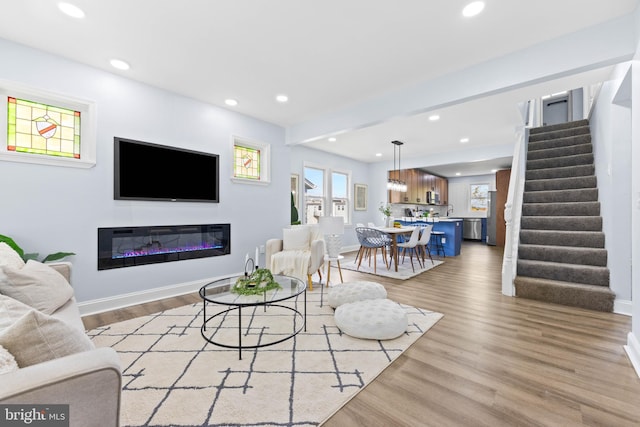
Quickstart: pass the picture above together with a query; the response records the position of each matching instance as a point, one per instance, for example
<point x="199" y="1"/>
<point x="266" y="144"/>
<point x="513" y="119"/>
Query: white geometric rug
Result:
<point x="404" y="268"/>
<point x="173" y="377"/>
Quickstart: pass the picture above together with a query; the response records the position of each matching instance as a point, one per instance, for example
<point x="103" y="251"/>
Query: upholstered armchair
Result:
<point x="300" y="253"/>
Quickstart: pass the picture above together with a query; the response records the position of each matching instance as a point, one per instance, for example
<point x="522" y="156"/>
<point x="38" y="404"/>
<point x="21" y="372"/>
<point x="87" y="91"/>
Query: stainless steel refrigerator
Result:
<point x="491" y="218"/>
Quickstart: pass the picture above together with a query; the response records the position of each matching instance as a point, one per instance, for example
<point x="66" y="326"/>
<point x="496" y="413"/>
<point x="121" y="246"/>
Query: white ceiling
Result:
<point x="325" y="55"/>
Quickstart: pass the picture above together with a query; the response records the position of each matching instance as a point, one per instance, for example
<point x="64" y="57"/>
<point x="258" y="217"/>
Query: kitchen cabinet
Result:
<point x="418" y="183"/>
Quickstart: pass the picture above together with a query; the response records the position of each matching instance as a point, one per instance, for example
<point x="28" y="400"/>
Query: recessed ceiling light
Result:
<point x="458" y="174"/>
<point x="282" y="98"/>
<point x="494" y="170"/>
<point x="231" y="102"/>
<point x="71" y="10"/>
<point x="472" y="9"/>
<point x="119" y="64"/>
<point x="378" y="154"/>
<point x="332" y="139"/>
<point x="434" y="117"/>
<point x="464" y="140"/>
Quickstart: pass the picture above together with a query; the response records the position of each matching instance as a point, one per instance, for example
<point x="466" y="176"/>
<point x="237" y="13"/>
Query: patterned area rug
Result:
<point x="404" y="268"/>
<point x="173" y="377"/>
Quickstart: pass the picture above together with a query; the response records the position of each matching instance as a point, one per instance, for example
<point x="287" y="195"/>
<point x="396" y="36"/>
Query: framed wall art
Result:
<point x="360" y="197"/>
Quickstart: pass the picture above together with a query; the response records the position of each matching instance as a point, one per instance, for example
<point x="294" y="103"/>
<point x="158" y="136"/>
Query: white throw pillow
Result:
<point x="11" y="310"/>
<point x="36" y="338"/>
<point x="9" y="257"/>
<point x="7" y="361"/>
<point x="295" y="239"/>
<point x="37" y="285"/>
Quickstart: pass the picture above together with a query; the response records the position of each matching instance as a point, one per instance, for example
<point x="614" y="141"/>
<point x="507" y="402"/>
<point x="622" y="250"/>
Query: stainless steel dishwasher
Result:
<point x="472" y="228"/>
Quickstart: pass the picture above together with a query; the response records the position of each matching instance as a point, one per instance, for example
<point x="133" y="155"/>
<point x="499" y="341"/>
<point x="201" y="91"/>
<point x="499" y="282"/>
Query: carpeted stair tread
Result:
<point x="559" y="142"/>
<point x="574" y="273"/>
<point x="559" y="126"/>
<point x="566" y="223"/>
<point x="561" y="209"/>
<point x="561" y="254"/>
<point x="560" y="196"/>
<point x="561" y="172"/>
<point x="556" y="134"/>
<point x="566" y="254"/>
<point x="559" y="162"/>
<point x="549" y="153"/>
<point x="591" y="297"/>
<point x="585" y="239"/>
<point x="561" y="183"/>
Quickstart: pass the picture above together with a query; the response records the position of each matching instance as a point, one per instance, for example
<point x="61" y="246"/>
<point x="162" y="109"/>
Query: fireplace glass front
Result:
<point x="130" y="246"/>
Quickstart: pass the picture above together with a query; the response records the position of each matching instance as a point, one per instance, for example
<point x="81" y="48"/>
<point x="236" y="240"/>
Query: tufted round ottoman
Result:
<point x="378" y="319"/>
<point x="355" y="291"/>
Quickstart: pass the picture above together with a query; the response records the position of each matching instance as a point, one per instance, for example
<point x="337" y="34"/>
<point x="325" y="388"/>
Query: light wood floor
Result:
<point x="491" y="361"/>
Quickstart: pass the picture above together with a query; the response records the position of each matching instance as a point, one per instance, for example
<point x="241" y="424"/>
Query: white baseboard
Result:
<point x="345" y="249"/>
<point x="126" y="300"/>
<point x="633" y="351"/>
<point x="621" y="306"/>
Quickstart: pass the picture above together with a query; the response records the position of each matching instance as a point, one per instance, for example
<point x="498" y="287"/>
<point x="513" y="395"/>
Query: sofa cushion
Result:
<point x="36" y="338"/>
<point x="9" y="257"/>
<point x="37" y="285"/>
<point x="11" y="310"/>
<point x="295" y="239"/>
<point x="7" y="361"/>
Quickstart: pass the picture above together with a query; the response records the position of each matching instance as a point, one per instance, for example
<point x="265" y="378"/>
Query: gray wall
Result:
<point x="50" y="208"/>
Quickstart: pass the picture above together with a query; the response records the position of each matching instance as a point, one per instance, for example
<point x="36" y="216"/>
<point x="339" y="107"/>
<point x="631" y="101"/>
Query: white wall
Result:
<point x="460" y="194"/>
<point x="49" y="208"/>
<point x="610" y="125"/>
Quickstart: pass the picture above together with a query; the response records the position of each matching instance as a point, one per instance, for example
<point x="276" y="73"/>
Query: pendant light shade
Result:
<point x="396" y="184"/>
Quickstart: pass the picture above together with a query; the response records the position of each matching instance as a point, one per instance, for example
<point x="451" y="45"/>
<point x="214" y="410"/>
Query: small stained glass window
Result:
<point x="33" y="127"/>
<point x="246" y="162"/>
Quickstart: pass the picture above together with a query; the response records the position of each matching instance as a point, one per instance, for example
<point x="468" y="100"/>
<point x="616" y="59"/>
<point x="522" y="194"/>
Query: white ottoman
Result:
<point x="377" y="319"/>
<point x="355" y="291"/>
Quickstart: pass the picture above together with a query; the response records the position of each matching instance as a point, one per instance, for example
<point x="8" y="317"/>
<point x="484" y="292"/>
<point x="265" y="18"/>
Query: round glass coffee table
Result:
<point x="253" y="321"/>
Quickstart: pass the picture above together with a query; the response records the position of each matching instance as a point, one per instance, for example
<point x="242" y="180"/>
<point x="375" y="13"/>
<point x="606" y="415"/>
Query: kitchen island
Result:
<point x="452" y="228"/>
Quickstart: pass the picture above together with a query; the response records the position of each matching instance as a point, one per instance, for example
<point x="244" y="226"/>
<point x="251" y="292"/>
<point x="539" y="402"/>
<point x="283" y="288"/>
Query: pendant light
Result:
<point x="396" y="184"/>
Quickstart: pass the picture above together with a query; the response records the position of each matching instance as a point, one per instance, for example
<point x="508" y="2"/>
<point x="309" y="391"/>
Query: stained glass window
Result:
<point x="34" y="127"/>
<point x="246" y="162"/>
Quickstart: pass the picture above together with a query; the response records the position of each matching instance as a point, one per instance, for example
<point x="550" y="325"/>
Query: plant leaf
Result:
<point x="56" y="256"/>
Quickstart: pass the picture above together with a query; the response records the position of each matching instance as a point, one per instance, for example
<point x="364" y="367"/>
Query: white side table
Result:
<point x="328" y="260"/>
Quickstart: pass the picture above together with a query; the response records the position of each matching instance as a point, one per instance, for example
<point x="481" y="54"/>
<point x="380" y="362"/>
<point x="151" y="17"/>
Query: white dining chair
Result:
<point x="423" y="243"/>
<point x="411" y="244"/>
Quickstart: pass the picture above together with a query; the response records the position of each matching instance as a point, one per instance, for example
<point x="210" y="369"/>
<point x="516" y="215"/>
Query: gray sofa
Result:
<point x="88" y="381"/>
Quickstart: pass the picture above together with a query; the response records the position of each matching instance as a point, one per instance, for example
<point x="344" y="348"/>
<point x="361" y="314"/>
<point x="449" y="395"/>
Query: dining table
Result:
<point x="394" y="232"/>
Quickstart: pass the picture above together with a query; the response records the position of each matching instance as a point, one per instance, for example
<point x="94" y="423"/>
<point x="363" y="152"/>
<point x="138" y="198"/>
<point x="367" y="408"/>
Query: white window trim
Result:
<point x="88" y="137"/>
<point x="328" y="186"/>
<point x="265" y="160"/>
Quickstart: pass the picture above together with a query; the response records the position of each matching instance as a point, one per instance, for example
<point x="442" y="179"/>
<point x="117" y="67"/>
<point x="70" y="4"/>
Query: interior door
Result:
<point x="555" y="110"/>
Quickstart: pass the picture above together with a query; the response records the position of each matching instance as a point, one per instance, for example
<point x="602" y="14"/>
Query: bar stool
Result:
<point x="436" y="241"/>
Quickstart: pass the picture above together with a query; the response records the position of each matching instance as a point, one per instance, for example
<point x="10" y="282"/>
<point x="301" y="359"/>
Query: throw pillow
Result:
<point x="9" y="257"/>
<point x="37" y="285"/>
<point x="36" y="338"/>
<point x="7" y="361"/>
<point x="10" y="311"/>
<point x="295" y="239"/>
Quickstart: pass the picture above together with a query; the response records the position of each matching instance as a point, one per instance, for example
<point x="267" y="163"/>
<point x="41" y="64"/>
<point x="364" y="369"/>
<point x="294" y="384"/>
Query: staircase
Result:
<point x="561" y="255"/>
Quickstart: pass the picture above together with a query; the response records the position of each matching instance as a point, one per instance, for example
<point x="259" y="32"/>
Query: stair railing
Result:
<point x="513" y="206"/>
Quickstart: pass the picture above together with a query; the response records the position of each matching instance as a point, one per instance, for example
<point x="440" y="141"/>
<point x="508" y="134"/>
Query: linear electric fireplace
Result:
<point x="129" y="246"/>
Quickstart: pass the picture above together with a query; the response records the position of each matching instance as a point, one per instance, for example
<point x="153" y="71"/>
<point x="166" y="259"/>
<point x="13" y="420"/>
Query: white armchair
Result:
<point x="300" y="253"/>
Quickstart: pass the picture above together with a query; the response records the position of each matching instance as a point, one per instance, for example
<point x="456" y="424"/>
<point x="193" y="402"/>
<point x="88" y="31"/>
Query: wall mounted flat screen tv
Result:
<point x="146" y="171"/>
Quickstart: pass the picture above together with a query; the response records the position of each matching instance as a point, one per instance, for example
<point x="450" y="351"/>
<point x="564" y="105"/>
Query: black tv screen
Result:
<point x="146" y="171"/>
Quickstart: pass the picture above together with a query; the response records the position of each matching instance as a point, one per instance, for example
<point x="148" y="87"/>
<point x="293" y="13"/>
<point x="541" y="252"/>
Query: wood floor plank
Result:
<point x="491" y="361"/>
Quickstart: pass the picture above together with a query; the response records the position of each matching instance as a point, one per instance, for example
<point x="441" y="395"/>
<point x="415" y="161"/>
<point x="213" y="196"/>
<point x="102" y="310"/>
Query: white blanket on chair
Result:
<point x="291" y="263"/>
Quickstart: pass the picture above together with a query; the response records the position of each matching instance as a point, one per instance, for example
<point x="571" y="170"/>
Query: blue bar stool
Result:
<point x="436" y="241"/>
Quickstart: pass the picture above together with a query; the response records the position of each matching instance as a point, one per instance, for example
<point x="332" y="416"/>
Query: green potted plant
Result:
<point x="386" y="211"/>
<point x="294" y="213"/>
<point x="27" y="256"/>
